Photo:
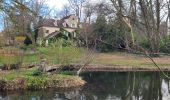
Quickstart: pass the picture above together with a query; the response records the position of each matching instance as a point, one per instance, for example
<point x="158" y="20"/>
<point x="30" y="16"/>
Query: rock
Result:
<point x="32" y="65"/>
<point x="68" y="68"/>
<point x="50" y="69"/>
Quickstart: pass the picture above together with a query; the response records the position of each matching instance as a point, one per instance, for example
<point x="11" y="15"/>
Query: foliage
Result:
<point x="165" y="45"/>
<point x="144" y="43"/>
<point x="61" y="42"/>
<point x="110" y="33"/>
<point x="20" y="38"/>
<point x="37" y="82"/>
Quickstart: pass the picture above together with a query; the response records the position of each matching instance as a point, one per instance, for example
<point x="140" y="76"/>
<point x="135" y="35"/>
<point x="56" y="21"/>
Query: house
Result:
<point x="48" y="28"/>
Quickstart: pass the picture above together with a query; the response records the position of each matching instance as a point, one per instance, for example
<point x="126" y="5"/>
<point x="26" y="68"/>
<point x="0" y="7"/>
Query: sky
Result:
<point x="59" y="3"/>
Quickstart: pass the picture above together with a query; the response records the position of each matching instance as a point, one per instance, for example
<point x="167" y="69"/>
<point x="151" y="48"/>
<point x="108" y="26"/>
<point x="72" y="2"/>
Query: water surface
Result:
<point x="105" y="86"/>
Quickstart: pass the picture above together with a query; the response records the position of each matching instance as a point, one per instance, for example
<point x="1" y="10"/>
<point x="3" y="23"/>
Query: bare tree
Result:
<point x="144" y="12"/>
<point x="77" y="6"/>
<point x="66" y="10"/>
<point x="23" y="16"/>
<point x="151" y="17"/>
<point x="86" y="27"/>
<point x="89" y="10"/>
<point x="168" y="18"/>
<point x="126" y="14"/>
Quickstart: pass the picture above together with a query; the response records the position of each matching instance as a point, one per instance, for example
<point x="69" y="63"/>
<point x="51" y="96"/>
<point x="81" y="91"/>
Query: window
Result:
<point x="55" y="23"/>
<point x="73" y="25"/>
<point x="73" y="19"/>
<point x="47" y="31"/>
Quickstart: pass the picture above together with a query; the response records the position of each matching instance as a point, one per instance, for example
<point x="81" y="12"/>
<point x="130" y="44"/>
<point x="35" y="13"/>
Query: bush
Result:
<point x="165" y="45"/>
<point x="145" y="44"/>
<point x="37" y="73"/>
<point x="33" y="72"/>
<point x="61" y="42"/>
<point x="36" y="82"/>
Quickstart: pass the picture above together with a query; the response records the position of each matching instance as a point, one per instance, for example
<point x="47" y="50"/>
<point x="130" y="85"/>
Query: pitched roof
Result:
<point x="51" y="22"/>
<point x="46" y="22"/>
<point x="66" y="17"/>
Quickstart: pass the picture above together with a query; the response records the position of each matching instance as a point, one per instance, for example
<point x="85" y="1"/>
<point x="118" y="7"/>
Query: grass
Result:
<point x="54" y="55"/>
<point x="63" y="55"/>
<point x="25" y="79"/>
<point x="129" y="60"/>
<point x="10" y="55"/>
<point x="69" y="55"/>
<point x="29" y="58"/>
<point x="29" y="73"/>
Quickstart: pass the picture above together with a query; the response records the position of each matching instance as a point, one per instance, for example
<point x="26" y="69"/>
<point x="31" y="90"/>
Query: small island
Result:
<point x="27" y="80"/>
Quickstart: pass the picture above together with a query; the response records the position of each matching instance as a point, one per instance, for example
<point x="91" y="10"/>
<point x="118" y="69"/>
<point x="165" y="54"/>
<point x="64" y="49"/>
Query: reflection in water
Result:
<point x="105" y="86"/>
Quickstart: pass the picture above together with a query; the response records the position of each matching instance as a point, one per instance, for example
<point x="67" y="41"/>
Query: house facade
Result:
<point x="51" y="27"/>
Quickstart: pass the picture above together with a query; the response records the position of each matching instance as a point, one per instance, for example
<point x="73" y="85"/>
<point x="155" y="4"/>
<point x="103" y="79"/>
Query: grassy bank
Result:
<point x="74" y="55"/>
<point x="27" y="79"/>
<point x="53" y="55"/>
<point x="130" y="60"/>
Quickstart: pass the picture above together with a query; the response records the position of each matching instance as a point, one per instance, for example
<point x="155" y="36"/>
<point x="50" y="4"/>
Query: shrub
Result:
<point x="36" y="82"/>
<point x="145" y="44"/>
<point x="37" y="73"/>
<point x="165" y="45"/>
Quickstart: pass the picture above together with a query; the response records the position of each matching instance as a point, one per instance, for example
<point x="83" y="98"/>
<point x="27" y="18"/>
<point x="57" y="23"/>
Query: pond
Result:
<point x="105" y="86"/>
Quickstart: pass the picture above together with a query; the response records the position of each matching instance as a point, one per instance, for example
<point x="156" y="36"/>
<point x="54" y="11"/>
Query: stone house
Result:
<point x="48" y="28"/>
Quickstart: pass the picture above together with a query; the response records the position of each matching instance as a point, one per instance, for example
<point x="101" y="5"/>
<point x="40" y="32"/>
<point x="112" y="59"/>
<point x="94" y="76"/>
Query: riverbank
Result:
<point x="130" y="60"/>
<point x="26" y="79"/>
<point x="119" y="68"/>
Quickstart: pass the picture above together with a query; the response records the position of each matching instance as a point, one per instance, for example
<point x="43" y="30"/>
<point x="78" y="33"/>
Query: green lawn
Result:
<point x="68" y="55"/>
<point x="65" y="55"/>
